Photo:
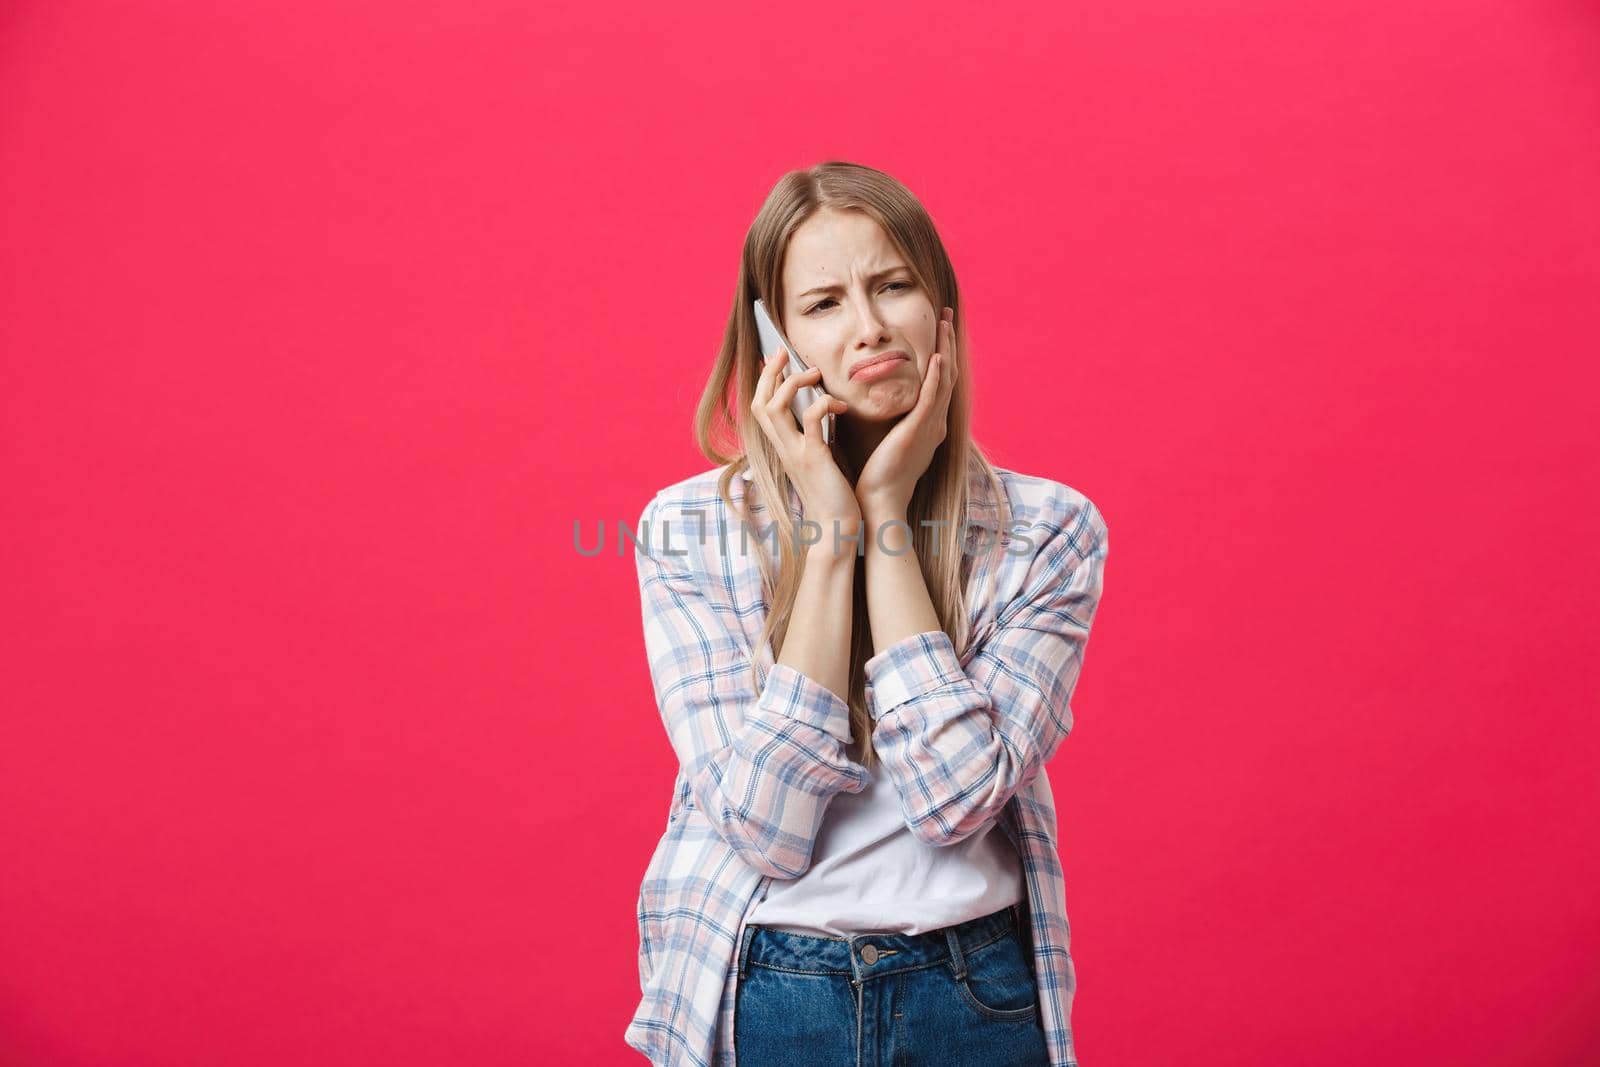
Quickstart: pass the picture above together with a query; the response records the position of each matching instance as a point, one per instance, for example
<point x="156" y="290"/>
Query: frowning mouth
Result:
<point x="874" y="366"/>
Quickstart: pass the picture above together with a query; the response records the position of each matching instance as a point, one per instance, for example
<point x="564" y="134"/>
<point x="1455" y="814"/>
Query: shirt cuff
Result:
<point x="910" y="668"/>
<point x="793" y="695"/>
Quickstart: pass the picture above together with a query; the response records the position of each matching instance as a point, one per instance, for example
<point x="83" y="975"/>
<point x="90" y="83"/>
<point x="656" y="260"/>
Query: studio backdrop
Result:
<point x="330" y="333"/>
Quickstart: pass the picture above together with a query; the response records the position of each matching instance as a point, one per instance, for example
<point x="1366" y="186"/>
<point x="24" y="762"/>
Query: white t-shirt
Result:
<point x="869" y="874"/>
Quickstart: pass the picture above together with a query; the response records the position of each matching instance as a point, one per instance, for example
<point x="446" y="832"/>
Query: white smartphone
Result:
<point x="772" y="339"/>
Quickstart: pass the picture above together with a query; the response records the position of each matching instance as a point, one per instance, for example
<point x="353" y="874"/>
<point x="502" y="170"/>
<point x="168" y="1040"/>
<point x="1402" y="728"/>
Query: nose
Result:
<point x="869" y="324"/>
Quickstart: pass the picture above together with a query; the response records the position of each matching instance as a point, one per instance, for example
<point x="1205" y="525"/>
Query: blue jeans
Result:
<point x="961" y="995"/>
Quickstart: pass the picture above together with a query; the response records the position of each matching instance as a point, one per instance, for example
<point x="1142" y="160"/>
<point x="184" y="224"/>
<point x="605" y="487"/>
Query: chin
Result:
<point x="883" y="404"/>
<point x="882" y="412"/>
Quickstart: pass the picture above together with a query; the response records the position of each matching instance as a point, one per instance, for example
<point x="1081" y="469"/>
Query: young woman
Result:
<point x="863" y="652"/>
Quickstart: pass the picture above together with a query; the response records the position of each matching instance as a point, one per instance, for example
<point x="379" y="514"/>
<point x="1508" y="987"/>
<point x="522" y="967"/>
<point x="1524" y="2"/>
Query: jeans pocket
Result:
<point x="1000" y="983"/>
<point x="781" y="1017"/>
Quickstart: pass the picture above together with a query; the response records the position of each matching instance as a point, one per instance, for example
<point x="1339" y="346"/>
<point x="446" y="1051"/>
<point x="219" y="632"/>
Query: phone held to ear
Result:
<point x="772" y="339"/>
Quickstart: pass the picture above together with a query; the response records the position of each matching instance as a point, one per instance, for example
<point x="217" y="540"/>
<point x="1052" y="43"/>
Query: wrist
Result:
<point x="884" y="523"/>
<point x="888" y="533"/>
<point x="876" y="510"/>
<point x="834" y="556"/>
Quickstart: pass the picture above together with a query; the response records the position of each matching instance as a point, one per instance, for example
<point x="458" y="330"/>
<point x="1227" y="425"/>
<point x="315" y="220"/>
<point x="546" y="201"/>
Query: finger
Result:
<point x="952" y="364"/>
<point x="777" y="412"/>
<point x="763" y="395"/>
<point x="792" y="383"/>
<point x="812" y="420"/>
<point x="952" y="361"/>
<point x="931" y="384"/>
<point x="936" y="411"/>
<point x="769" y="375"/>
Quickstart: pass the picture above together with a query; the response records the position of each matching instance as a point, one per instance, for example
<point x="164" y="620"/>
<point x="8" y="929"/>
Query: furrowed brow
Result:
<point x="838" y="288"/>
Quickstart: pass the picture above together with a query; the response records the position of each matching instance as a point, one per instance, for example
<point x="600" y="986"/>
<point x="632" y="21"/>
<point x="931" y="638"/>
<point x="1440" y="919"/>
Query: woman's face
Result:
<point x="849" y="297"/>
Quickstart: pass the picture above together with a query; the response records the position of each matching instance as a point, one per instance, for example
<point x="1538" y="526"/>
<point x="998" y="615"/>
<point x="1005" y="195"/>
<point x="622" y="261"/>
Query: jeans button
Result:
<point x="869" y="954"/>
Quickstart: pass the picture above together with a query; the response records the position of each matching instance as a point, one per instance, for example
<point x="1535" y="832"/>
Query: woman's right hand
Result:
<point x="825" y="493"/>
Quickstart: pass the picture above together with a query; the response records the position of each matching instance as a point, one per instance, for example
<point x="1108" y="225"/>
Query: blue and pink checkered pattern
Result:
<point x="964" y="736"/>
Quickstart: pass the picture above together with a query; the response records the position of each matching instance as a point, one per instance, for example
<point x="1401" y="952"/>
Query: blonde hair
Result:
<point x="723" y="416"/>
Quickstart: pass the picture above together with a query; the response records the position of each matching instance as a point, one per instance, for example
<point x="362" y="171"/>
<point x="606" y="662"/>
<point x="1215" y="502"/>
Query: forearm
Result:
<point x="817" y="643"/>
<point x="898" y="604"/>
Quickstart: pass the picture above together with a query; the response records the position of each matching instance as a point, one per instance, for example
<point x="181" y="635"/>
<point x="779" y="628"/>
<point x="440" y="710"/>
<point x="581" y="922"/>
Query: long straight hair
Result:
<point x="726" y="433"/>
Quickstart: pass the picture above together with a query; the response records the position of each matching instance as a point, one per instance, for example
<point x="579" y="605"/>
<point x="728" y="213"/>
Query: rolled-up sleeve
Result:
<point x="761" y="766"/>
<point x="959" y="741"/>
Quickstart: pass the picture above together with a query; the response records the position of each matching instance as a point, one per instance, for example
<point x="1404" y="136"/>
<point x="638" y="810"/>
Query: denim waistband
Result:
<point x="867" y="955"/>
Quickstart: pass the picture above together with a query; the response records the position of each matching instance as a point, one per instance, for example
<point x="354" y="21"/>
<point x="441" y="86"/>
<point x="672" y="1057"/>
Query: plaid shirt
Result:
<point x="965" y="739"/>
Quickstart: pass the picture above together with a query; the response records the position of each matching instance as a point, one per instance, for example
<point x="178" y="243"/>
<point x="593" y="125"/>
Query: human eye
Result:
<point x="819" y="305"/>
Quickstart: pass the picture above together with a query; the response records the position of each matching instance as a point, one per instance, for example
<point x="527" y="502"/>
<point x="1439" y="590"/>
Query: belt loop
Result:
<point x="744" y="950"/>
<point x="958" y="961"/>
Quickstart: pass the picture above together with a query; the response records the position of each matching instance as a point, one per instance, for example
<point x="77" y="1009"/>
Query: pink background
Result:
<point x="322" y="323"/>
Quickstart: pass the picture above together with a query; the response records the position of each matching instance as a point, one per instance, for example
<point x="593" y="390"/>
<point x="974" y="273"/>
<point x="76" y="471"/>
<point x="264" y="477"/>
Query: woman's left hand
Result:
<point x="885" y="484"/>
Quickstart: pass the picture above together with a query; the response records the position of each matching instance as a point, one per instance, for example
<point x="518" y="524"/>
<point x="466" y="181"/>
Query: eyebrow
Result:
<point x="837" y="288"/>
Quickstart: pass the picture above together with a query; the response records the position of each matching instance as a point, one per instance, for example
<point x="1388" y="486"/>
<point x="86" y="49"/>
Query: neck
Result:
<point x="858" y="440"/>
